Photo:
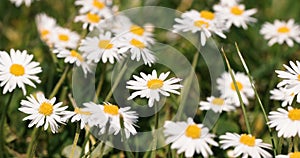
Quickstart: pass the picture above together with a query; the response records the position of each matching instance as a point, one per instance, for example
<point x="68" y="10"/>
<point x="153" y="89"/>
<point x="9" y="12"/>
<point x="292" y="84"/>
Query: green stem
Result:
<point x="290" y="140"/>
<point x="238" y="93"/>
<point x="59" y="83"/>
<point x="296" y="139"/>
<point x="153" y="154"/>
<point x="100" y="84"/>
<point x="75" y="140"/>
<point x="118" y="79"/>
<point x="186" y="87"/>
<point x="279" y="146"/>
<point x="33" y="143"/>
<point x="2" y="123"/>
<point x="257" y="97"/>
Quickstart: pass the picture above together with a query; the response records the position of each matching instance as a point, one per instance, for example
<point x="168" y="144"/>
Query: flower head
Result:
<point x="245" y="145"/>
<point x="18" y="69"/>
<point x="286" y="122"/>
<point x="281" y="31"/>
<point x="189" y="137"/>
<point x="151" y="86"/>
<point x="216" y="104"/>
<point x="43" y="111"/>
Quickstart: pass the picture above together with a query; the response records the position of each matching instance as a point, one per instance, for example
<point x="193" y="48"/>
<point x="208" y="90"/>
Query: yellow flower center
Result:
<point x="218" y="101"/>
<point x="98" y="4"/>
<point x="247" y="139"/>
<point x="295" y="155"/>
<point x="137" y="30"/>
<point x="200" y="23"/>
<point x="46" y="109"/>
<point x="63" y="37"/>
<point x="105" y="44"/>
<point x="76" y="55"/>
<point x="207" y="15"/>
<point x="283" y="29"/>
<point x="79" y="111"/>
<point x="294" y="114"/>
<point x="111" y="109"/>
<point x="236" y="10"/>
<point x="93" y="18"/>
<point x="239" y="85"/>
<point x="193" y="131"/>
<point x="137" y="43"/>
<point x="44" y="33"/>
<point x="17" y="70"/>
<point x="155" y="84"/>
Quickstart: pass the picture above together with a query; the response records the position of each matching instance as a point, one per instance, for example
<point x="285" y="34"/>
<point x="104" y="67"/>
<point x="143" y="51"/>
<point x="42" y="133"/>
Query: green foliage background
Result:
<point x="18" y="31"/>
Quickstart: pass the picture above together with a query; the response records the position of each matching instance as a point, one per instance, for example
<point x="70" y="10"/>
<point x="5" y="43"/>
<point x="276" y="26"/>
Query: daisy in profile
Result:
<point x="205" y="22"/>
<point x="115" y="116"/>
<point x="18" y="3"/>
<point x="290" y="155"/>
<point x="95" y="6"/>
<point x="64" y="38"/>
<point x="102" y="47"/>
<point x="90" y="20"/>
<point x="216" y="104"/>
<point x="77" y="115"/>
<point x="138" y="50"/>
<point x="284" y="95"/>
<point x="151" y="86"/>
<point x="227" y="88"/>
<point x="189" y="137"/>
<point x="281" y="31"/>
<point x="245" y="145"/>
<point x="286" y="122"/>
<point x="291" y="78"/>
<point x="235" y="14"/>
<point x="73" y="57"/>
<point x="45" y="26"/>
<point x="43" y="112"/>
<point x="18" y="69"/>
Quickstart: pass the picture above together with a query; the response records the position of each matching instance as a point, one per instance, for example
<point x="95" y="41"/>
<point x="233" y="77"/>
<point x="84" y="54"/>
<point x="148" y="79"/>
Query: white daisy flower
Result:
<point x="130" y="30"/>
<point x="229" y="2"/>
<point x="64" y="38"/>
<point x="18" y="69"/>
<point x="114" y="114"/>
<point x="138" y="50"/>
<point x="189" y="137"/>
<point x="291" y="78"/>
<point x="72" y="56"/>
<point x="77" y="115"/>
<point x="235" y="14"/>
<point x="18" y="3"/>
<point x="96" y="117"/>
<point x="290" y="155"/>
<point x="205" y="22"/>
<point x="104" y="47"/>
<point x="43" y="111"/>
<point x="45" y="26"/>
<point x="227" y="88"/>
<point x="95" y="6"/>
<point x="90" y="20"/>
<point x="151" y="86"/>
<point x="287" y="123"/>
<point x="245" y="145"/>
<point x="284" y="95"/>
<point x="216" y="104"/>
<point x="281" y="31"/>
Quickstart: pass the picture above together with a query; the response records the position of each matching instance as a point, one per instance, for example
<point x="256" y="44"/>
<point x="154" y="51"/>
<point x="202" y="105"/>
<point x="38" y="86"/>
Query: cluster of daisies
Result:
<point x="286" y="120"/>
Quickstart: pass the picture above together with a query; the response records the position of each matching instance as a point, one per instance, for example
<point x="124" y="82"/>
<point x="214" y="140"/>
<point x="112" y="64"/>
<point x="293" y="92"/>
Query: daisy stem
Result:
<point x="155" y="136"/>
<point x="118" y="79"/>
<point x="2" y="123"/>
<point x="33" y="143"/>
<point x="124" y="139"/>
<point x="238" y="92"/>
<point x="290" y="140"/>
<point x="100" y="84"/>
<point x="296" y="138"/>
<point x="257" y="97"/>
<point x="75" y="140"/>
<point x="60" y="82"/>
<point x="279" y="146"/>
